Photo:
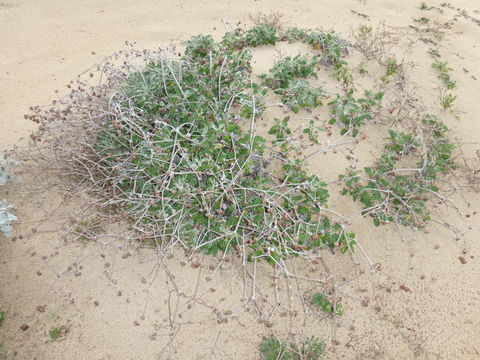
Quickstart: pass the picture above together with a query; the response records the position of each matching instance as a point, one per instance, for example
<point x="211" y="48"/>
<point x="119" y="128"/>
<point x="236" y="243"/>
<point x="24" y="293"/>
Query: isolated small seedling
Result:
<point x="434" y="53"/>
<point x="364" y="31"/>
<point x="424" y="6"/>
<point x="391" y="69"/>
<point x="57" y="332"/>
<point x="324" y="304"/>
<point x="273" y="349"/>
<point x="361" y="68"/>
<point x="3" y="315"/>
<point x="447" y="100"/>
<point x="312" y="131"/>
<point x="422" y="20"/>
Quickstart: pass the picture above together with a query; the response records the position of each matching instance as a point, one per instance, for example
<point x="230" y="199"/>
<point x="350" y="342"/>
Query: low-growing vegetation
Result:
<point x="299" y="94"/>
<point x="273" y="349"/>
<point x="171" y="148"/>
<point x="447" y="100"/>
<point x="3" y="315"/>
<point x="177" y="150"/>
<point x="352" y="113"/>
<point x="397" y="187"/>
<point x="57" y="332"/>
<point x="323" y="303"/>
<point x="444" y="74"/>
<point x="288" y="69"/>
<point x="392" y="68"/>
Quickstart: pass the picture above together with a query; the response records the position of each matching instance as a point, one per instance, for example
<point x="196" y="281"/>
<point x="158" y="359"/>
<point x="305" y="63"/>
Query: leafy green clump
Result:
<point x="299" y="94"/>
<point x="321" y="301"/>
<point x="422" y="20"/>
<point x="57" y="332"/>
<point x="287" y="78"/>
<point x="389" y="193"/>
<point x="273" y="349"/>
<point x="447" y="100"/>
<point x="3" y="315"/>
<point x="234" y="40"/>
<point x="424" y="6"/>
<point x="352" y="113"/>
<point x="198" y="47"/>
<point x="439" y="158"/>
<point x="392" y="67"/>
<point x="282" y="134"/>
<point x="54" y="333"/>
<point x="342" y="73"/>
<point x="333" y="48"/>
<point x="261" y="34"/>
<point x="188" y="167"/>
<point x="294" y="34"/>
<point x="288" y="69"/>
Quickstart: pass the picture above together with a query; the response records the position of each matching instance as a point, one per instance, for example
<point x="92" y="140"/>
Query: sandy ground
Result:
<point x="116" y="305"/>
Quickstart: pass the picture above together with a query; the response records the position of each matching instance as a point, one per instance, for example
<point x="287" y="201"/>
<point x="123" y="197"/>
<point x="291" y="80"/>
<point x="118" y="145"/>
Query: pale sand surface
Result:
<point x="134" y="312"/>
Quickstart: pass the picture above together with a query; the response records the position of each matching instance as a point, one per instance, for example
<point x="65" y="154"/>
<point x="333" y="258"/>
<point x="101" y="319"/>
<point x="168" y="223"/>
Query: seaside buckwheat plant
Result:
<point x="172" y="144"/>
<point x="181" y="150"/>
